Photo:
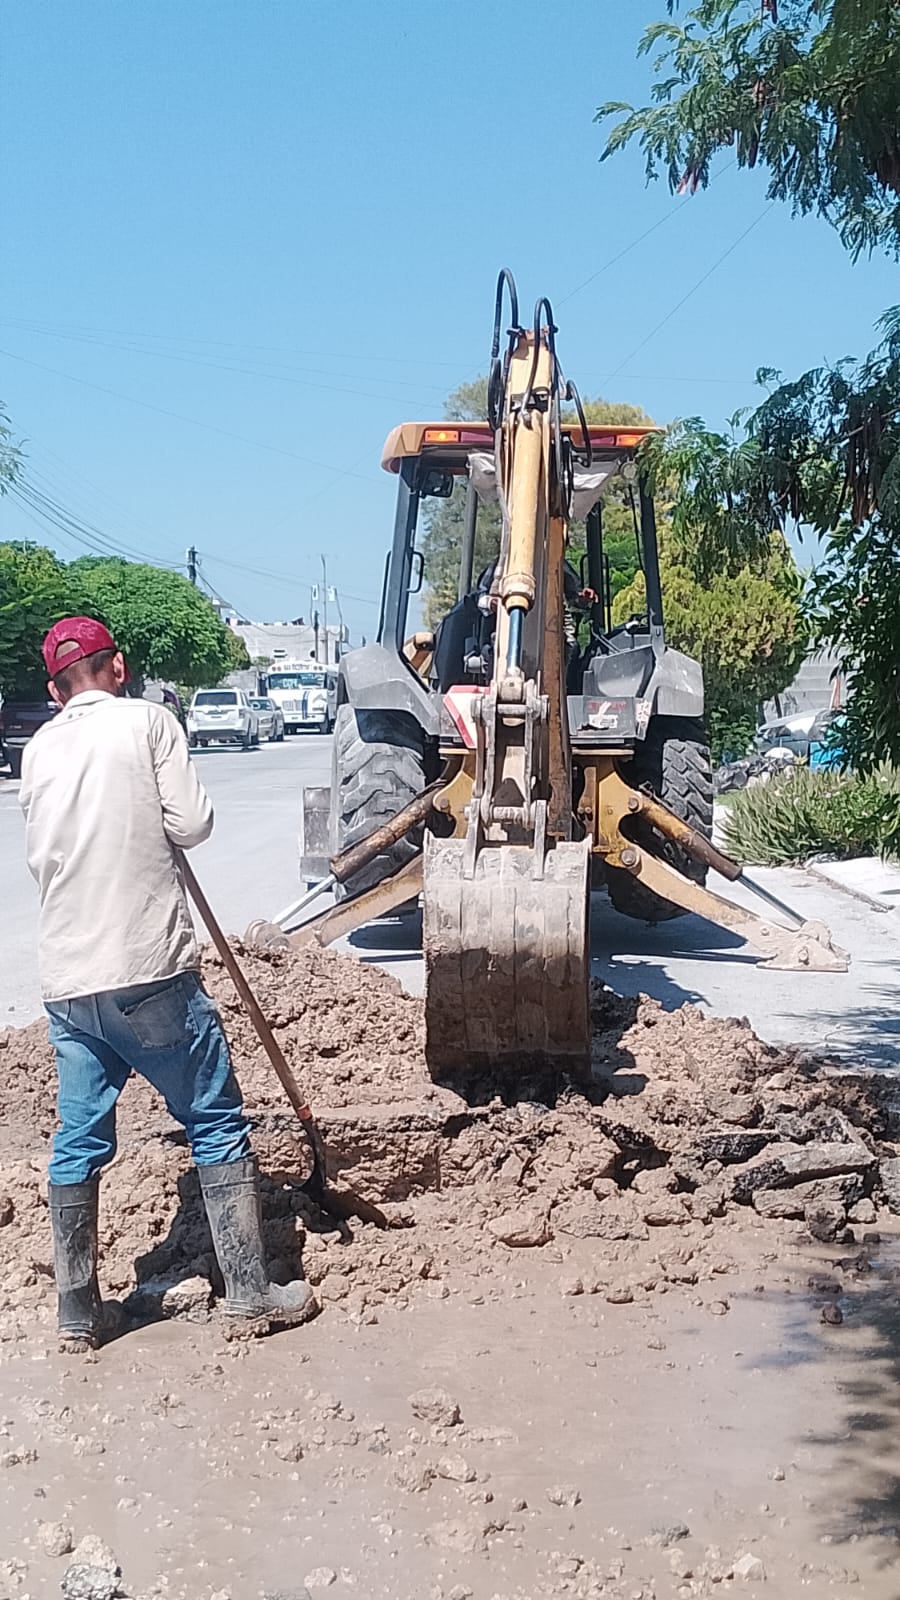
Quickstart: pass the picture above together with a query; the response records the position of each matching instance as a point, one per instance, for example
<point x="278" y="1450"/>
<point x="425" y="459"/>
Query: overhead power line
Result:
<point x="287" y="578"/>
<point x="693" y="289"/>
<point x="197" y="360"/>
<point x="53" y="514"/>
<point x="627" y="249"/>
<point x="210" y="427"/>
<point x="224" y="344"/>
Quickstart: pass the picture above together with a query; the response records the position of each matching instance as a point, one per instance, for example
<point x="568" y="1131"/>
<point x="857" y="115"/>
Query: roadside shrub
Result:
<point x="805" y="813"/>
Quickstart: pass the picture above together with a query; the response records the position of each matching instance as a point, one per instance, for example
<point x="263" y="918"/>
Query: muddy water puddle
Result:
<point x="641" y="1450"/>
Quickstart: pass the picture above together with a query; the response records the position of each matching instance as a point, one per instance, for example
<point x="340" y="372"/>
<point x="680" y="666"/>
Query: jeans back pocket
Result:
<point x="162" y="1020"/>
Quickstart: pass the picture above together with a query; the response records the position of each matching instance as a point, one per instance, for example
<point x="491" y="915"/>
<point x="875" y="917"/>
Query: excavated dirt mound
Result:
<point x="697" y="1144"/>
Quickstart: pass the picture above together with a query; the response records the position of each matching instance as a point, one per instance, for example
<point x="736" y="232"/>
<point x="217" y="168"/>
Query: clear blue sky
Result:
<point x="283" y="220"/>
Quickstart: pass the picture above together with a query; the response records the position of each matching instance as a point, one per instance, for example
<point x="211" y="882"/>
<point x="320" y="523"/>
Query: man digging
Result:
<point x="110" y="797"/>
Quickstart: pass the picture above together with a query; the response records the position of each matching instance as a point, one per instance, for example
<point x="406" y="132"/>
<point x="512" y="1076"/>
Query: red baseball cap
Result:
<point x="72" y="639"/>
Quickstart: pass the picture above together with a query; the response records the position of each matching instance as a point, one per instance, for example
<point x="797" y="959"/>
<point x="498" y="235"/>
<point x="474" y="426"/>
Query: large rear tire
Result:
<point x="378" y="766"/>
<point x="674" y="762"/>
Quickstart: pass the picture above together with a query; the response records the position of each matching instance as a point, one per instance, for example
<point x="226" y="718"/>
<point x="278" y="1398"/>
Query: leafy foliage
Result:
<point x="718" y="511"/>
<point x="805" y="813"/>
<point x="238" y="654"/>
<point x="10" y="454"/>
<point x="165" y="626"/>
<point x="36" y="589"/>
<point x="810" y="90"/>
<point x="823" y="450"/>
<point x="741" y="623"/>
<point x="807" y="89"/>
<point x="443" y="521"/>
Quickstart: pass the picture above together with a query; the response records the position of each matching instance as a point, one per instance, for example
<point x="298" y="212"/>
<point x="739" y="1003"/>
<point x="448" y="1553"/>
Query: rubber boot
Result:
<point x="73" y="1218"/>
<point x="253" y="1305"/>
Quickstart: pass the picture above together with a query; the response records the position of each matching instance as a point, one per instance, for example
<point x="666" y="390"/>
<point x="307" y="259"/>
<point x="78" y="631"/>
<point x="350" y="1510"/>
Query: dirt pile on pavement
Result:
<point x="696" y="1145"/>
<point x="351" y="1033"/>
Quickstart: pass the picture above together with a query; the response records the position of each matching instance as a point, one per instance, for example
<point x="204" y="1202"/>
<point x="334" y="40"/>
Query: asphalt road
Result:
<point x="249" y="869"/>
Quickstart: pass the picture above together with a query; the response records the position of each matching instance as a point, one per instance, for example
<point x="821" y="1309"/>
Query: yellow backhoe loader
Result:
<point x="504" y="766"/>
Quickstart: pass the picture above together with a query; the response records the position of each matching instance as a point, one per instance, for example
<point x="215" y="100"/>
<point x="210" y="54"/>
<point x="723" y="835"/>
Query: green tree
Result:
<point x="165" y="626"/>
<point x="238" y="653"/>
<point x="717" y="513"/>
<point x="10" y="454"/>
<point x="620" y="536"/>
<point x="36" y="589"/>
<point x="822" y="452"/>
<point x="741" y="623"/>
<point x="809" y="90"/>
<point x="443" y="520"/>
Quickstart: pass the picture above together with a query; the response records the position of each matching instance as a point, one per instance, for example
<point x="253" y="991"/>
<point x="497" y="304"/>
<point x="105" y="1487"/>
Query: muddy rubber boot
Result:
<point x="73" y="1218"/>
<point x="253" y="1305"/>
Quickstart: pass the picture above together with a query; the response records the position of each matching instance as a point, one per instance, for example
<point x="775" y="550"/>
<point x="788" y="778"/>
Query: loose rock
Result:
<point x="56" y="1538"/>
<point x="749" y="1569"/>
<point x="522" y="1229"/>
<point x="564" y="1494"/>
<point x="825" y="1220"/>
<point x="619" y="1294"/>
<point x="189" y="1300"/>
<point x="81" y="1582"/>
<point x="456" y="1469"/>
<point x="435" y="1406"/>
<point x="889" y="1176"/>
<point x="92" y="1552"/>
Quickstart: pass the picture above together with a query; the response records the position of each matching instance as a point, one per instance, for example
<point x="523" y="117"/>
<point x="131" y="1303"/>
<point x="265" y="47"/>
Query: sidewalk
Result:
<point x="868" y="876"/>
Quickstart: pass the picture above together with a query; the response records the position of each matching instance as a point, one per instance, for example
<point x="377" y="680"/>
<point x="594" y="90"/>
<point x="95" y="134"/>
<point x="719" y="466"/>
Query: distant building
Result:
<point x="290" y="641"/>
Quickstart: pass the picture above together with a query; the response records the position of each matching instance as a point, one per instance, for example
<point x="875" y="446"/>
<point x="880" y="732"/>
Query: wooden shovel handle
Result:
<point x="229" y="960"/>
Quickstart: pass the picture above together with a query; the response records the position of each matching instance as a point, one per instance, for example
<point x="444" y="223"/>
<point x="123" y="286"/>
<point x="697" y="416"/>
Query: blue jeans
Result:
<point x="170" y="1033"/>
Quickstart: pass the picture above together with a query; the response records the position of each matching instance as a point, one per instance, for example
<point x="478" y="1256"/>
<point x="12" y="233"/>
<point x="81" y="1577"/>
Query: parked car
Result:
<point x="826" y="750"/>
<point x="797" y="733"/>
<point x="271" y="718"/>
<point x="19" y="720"/>
<point x="223" y="716"/>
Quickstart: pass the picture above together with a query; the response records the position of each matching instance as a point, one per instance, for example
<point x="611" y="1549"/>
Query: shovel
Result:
<point x="338" y="1204"/>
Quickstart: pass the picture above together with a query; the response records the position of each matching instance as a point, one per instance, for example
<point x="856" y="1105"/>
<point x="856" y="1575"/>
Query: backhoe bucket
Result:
<point x="507" y="961"/>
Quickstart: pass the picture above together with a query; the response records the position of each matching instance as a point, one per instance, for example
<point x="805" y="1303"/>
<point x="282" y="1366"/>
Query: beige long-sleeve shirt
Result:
<point x="109" y="793"/>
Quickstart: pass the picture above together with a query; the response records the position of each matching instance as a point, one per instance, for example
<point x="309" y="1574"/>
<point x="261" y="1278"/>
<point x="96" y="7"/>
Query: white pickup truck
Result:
<point x="306" y="696"/>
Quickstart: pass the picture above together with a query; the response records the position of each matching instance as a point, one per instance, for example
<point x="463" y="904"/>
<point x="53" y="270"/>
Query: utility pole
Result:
<point x="342" y="631"/>
<point x="192" y="565"/>
<point x="325" y="604"/>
